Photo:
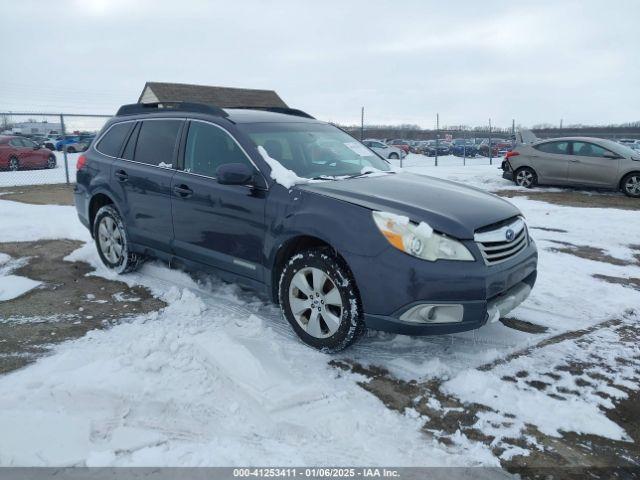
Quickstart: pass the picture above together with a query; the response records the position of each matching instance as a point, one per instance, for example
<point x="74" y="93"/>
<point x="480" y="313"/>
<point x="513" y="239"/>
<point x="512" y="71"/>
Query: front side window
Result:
<point x="111" y="143"/>
<point x="313" y="149"/>
<point x="157" y="142"/>
<point x="585" y="149"/>
<point x="558" y="148"/>
<point x="16" y="142"/>
<point x="208" y="147"/>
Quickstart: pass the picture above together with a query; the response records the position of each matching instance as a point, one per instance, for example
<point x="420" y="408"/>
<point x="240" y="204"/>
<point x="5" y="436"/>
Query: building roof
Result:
<point x="224" y="97"/>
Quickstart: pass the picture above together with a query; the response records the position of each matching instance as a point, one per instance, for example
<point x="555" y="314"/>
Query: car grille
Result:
<point x="500" y="243"/>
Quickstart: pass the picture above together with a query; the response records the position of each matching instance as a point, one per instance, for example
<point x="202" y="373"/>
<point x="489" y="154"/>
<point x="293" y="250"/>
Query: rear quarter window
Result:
<point x="112" y="141"/>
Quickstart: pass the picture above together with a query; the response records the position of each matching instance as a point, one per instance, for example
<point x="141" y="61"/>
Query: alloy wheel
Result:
<point x="13" y="164"/>
<point x="51" y="162"/>
<point x="315" y="302"/>
<point x="524" y="178"/>
<point x="111" y="240"/>
<point x="632" y="186"/>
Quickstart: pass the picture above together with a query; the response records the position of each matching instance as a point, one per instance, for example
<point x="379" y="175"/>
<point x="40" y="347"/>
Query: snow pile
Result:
<point x="13" y="286"/>
<point x="285" y="177"/>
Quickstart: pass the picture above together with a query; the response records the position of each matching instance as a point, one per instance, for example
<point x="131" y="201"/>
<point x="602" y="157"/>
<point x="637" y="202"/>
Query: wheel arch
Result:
<point x="98" y="201"/>
<point x="625" y="175"/>
<point x="289" y="248"/>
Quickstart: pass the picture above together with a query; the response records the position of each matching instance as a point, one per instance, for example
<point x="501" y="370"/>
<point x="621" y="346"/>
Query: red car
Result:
<point x="19" y="152"/>
<point x="399" y="143"/>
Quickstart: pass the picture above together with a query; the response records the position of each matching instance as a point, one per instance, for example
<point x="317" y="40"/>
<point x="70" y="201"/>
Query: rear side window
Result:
<point x="157" y="142"/>
<point x="112" y="141"/>
<point x="131" y="144"/>
<point x="559" y="148"/>
<point x="208" y="147"/>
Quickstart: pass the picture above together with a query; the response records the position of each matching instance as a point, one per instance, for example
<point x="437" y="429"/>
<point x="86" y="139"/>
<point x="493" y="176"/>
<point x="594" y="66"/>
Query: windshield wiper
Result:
<point x="357" y="175"/>
<point x="324" y="177"/>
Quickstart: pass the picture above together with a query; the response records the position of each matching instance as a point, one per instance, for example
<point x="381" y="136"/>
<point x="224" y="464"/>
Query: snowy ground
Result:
<point x="218" y="378"/>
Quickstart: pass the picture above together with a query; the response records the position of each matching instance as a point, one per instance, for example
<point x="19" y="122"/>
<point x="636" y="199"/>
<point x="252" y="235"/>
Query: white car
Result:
<point x="384" y="150"/>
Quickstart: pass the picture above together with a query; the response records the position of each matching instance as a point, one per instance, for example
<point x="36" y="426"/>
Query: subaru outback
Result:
<point x="299" y="210"/>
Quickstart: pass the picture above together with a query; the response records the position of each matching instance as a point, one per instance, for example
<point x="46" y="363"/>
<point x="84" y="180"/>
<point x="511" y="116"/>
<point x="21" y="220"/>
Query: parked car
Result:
<point x="80" y="145"/>
<point x="384" y="150"/>
<point x="305" y="214"/>
<point x="442" y="148"/>
<point x="499" y="147"/>
<point x="50" y="141"/>
<point x="579" y="161"/>
<point x="66" y="140"/>
<point x="18" y="153"/>
<point x="399" y="143"/>
<point x="628" y="141"/>
<point x="463" y="147"/>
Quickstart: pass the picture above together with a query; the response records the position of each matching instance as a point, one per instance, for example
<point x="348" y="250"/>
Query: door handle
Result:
<point x="182" y="191"/>
<point x="574" y="161"/>
<point x="121" y="175"/>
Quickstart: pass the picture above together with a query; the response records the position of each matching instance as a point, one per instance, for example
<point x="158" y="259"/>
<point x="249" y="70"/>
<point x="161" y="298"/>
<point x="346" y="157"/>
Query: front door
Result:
<point x="143" y="180"/>
<point x="218" y="225"/>
<point x="590" y="166"/>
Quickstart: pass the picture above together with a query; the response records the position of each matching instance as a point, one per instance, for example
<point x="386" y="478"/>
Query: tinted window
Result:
<point x="157" y="142"/>
<point x="28" y="143"/>
<point x="208" y="147"/>
<point x="15" y="142"/>
<point x="131" y="144"/>
<point x="113" y="139"/>
<point x="588" y="149"/>
<point x="558" y="148"/>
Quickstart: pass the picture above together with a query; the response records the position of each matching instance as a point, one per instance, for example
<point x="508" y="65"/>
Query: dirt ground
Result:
<point x="577" y="198"/>
<point x="69" y="304"/>
<point x="39" y="194"/>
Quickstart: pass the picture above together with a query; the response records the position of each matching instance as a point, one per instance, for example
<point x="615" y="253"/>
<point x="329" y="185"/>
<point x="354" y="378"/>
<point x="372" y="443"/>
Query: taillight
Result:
<point x="82" y="161"/>
<point x="512" y="153"/>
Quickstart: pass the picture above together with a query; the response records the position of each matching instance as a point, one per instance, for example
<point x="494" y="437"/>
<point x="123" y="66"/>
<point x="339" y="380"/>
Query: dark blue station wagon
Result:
<point x="299" y="210"/>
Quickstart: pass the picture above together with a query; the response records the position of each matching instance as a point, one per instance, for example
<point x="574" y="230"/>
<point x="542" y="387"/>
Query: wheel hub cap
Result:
<point x="633" y="185"/>
<point x="315" y="302"/>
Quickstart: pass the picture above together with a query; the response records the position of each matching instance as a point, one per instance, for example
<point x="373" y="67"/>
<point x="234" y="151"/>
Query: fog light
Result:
<point x="434" y="313"/>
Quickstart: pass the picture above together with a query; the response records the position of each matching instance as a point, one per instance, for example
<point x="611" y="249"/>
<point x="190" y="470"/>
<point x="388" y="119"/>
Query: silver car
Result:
<point x="575" y="161"/>
<point x="384" y="150"/>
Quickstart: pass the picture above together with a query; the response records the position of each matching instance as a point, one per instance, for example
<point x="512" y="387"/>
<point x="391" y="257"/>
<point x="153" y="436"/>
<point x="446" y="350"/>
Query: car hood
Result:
<point x="449" y="207"/>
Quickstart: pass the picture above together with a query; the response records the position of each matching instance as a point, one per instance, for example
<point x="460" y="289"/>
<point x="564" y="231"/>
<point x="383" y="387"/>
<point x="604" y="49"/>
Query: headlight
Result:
<point x="419" y="240"/>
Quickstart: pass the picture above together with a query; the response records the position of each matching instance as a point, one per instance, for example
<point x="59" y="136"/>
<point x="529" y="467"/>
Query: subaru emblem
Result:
<point x="510" y="234"/>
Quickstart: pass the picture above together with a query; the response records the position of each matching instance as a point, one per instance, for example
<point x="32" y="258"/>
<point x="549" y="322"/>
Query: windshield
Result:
<point x="314" y="150"/>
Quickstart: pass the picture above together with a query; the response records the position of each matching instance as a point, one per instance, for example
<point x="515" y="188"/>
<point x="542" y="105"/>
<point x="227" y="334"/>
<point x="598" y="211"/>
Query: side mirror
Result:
<point x="613" y="156"/>
<point x="36" y="147"/>
<point x="234" y="174"/>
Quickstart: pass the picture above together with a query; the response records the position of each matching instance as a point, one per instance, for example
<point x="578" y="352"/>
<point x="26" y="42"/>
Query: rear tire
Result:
<point x="327" y="316"/>
<point x="526" y="177"/>
<point x="51" y="161"/>
<point x="71" y="150"/>
<point x="112" y="241"/>
<point x="14" y="164"/>
<point x="631" y="185"/>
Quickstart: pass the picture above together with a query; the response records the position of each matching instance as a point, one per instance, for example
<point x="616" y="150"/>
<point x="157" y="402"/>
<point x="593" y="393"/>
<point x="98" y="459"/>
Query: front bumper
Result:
<point x="395" y="283"/>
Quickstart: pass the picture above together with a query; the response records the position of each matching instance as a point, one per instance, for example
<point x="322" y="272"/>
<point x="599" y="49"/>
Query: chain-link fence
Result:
<point x="43" y="148"/>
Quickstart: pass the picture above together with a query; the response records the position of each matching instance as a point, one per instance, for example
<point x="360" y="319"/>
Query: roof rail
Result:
<point x="285" y="110"/>
<point x="138" y="108"/>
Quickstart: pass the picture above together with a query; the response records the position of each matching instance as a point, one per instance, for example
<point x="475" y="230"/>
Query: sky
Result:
<point x="403" y="61"/>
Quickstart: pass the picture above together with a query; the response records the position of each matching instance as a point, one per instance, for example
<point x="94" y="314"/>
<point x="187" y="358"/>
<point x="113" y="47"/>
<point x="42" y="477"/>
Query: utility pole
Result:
<point x="560" y="123"/>
<point x="437" y="135"/>
<point x="362" y="124"/>
<point x="490" y="148"/>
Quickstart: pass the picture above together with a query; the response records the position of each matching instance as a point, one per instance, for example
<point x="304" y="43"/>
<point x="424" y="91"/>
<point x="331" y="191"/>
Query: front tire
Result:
<point x="71" y="150"/>
<point x="112" y="241"/>
<point x="393" y="156"/>
<point x="51" y="161"/>
<point x="526" y="177"/>
<point x="319" y="298"/>
<point x="631" y="185"/>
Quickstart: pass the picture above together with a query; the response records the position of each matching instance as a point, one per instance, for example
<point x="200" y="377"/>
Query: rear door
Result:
<point x="589" y="166"/>
<point x="218" y="225"/>
<point x="142" y="178"/>
<point x="31" y="155"/>
<point x="550" y="160"/>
